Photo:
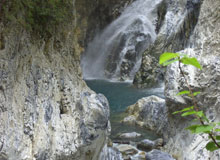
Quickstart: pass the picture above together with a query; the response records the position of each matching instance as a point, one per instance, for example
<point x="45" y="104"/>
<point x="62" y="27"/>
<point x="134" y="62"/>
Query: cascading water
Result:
<point x="116" y="53"/>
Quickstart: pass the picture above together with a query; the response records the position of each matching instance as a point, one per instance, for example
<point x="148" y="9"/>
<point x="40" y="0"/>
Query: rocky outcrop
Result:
<point x="158" y="155"/>
<point x="147" y="145"/>
<point x="175" y="25"/>
<point x="206" y="47"/>
<point x="150" y="72"/>
<point x="149" y="112"/>
<point x="46" y="109"/>
<point x="110" y="153"/>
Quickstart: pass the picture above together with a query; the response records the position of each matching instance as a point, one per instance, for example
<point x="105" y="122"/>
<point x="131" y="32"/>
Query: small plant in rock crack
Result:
<point x="204" y="126"/>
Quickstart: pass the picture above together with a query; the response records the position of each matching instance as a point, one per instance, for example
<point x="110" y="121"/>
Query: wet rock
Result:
<point x="139" y="156"/>
<point x="131" y="119"/>
<point x="110" y="153"/>
<point x="147" y="145"/>
<point x="158" y="155"/>
<point x="130" y="135"/>
<point x="126" y="149"/>
<point x="175" y="25"/>
<point x="149" y="112"/>
<point x="150" y="73"/>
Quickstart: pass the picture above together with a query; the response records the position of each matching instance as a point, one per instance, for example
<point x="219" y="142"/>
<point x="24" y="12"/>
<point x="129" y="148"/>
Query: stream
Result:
<point x="120" y="95"/>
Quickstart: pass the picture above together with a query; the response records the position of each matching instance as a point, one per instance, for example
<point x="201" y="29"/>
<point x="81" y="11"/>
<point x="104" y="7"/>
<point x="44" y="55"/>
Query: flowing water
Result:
<point x="116" y="52"/>
<point x="120" y="95"/>
<point x="115" y="55"/>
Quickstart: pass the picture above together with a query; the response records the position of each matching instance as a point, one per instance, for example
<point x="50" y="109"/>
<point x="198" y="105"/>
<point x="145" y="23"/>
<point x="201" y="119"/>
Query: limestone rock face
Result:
<point x="175" y="25"/>
<point x="46" y="109"/>
<point x="150" y="73"/>
<point x="149" y="112"/>
<point x="206" y="46"/>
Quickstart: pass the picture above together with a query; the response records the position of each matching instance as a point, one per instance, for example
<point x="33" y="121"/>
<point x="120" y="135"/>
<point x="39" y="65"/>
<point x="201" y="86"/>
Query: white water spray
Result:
<point x="116" y="52"/>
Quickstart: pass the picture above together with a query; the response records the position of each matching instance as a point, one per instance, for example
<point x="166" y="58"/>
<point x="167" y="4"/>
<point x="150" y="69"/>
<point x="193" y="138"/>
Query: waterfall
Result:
<point x="116" y="52"/>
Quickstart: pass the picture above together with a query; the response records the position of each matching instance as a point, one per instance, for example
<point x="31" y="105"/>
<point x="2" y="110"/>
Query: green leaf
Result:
<point x="211" y="146"/>
<point x="183" y="92"/>
<point x="191" y="61"/>
<point x="200" y="128"/>
<point x="196" y="93"/>
<point x="205" y="118"/>
<point x="188" y="113"/>
<point x="183" y="110"/>
<point x="169" y="62"/>
<point x="192" y="128"/>
<point x="217" y="130"/>
<point x="217" y="137"/>
<point x="195" y="120"/>
<point x="200" y="113"/>
<point x="203" y="128"/>
<point x="167" y="56"/>
<point x="183" y="55"/>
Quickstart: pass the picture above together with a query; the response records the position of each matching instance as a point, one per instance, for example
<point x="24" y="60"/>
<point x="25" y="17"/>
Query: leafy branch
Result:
<point x="205" y="125"/>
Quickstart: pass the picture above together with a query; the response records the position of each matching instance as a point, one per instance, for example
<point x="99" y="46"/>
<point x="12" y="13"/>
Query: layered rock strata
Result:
<point x="46" y="109"/>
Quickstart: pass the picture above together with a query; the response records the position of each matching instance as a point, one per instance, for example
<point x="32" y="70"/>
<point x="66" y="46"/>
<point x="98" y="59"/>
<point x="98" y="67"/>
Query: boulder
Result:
<point x="139" y="156"/>
<point x="130" y="135"/>
<point x="127" y="149"/>
<point x="110" y="153"/>
<point x="149" y="112"/>
<point x="147" y="145"/>
<point x="158" y="155"/>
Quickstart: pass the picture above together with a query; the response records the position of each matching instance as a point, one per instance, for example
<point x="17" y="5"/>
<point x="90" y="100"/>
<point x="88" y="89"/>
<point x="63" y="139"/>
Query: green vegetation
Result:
<point x="38" y="16"/>
<point x="205" y="126"/>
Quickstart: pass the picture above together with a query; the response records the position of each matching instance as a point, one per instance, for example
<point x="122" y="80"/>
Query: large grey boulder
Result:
<point x="158" y="155"/>
<point x="147" y="145"/>
<point x="149" y="112"/>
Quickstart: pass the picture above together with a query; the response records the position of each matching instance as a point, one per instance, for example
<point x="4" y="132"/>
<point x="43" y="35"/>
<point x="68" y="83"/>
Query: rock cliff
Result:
<point x="175" y="24"/>
<point x="46" y="109"/>
<point x="205" y="46"/>
<point x="193" y="27"/>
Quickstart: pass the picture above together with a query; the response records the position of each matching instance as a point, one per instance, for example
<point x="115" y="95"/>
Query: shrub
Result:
<point x="38" y="16"/>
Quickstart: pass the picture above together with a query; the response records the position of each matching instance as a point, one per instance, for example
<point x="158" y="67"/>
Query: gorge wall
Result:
<point x="205" y="45"/>
<point x="48" y="112"/>
<point x="175" y="24"/>
<point x="190" y="27"/>
<point x="46" y="109"/>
